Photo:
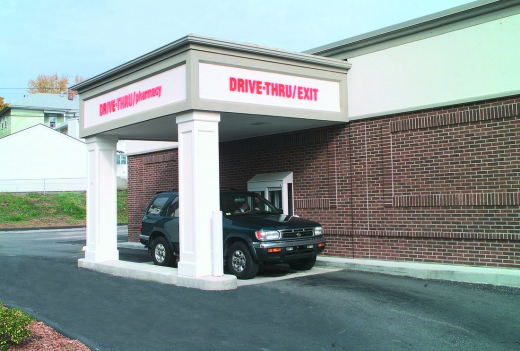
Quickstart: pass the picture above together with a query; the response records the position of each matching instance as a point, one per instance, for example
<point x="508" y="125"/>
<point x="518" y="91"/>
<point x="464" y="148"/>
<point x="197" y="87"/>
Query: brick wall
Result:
<point x="147" y="174"/>
<point x="441" y="185"/>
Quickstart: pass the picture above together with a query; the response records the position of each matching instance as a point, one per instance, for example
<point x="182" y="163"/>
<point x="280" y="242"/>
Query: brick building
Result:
<point x="428" y="166"/>
<point x="439" y="185"/>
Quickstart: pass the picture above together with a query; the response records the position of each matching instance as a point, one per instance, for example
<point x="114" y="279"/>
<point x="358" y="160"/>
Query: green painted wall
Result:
<point x="6" y="130"/>
<point x="22" y="119"/>
<point x="19" y="119"/>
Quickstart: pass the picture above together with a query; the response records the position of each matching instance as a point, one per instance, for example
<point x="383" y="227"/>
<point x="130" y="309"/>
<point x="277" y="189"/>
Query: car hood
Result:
<point x="277" y="222"/>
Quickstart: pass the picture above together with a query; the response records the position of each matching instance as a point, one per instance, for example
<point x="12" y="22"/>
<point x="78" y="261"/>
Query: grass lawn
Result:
<point x="51" y="209"/>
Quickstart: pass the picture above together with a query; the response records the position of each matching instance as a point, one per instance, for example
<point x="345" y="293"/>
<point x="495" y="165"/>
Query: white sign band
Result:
<point x="224" y="83"/>
<point x="159" y="90"/>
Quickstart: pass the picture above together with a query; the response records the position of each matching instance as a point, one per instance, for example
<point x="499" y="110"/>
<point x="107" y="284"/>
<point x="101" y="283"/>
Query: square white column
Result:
<point x="101" y="199"/>
<point x="198" y="191"/>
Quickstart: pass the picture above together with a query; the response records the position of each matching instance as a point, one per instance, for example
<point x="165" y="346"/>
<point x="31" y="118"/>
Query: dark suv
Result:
<point x="254" y="232"/>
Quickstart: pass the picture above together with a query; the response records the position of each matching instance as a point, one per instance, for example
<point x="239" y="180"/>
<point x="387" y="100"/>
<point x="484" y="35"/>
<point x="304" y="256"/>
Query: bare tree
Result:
<point x="2" y="104"/>
<point x="51" y="84"/>
<point x="78" y="79"/>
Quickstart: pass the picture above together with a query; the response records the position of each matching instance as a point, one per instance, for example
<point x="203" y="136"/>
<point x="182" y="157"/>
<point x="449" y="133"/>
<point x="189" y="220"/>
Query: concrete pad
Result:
<point x="283" y="273"/>
<point x="460" y="273"/>
<point x="164" y="275"/>
<point x="131" y="245"/>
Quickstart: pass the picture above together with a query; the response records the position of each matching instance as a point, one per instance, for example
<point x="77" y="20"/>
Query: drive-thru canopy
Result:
<point x="198" y="91"/>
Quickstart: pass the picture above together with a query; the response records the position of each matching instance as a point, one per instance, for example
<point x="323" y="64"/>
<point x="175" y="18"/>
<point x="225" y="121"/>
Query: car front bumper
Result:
<point x="288" y="250"/>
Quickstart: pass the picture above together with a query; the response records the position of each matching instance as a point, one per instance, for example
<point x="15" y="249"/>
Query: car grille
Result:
<point x="296" y="233"/>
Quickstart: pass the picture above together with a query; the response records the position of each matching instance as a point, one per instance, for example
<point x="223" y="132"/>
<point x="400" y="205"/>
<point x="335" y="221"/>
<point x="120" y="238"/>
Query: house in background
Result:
<point x="41" y="159"/>
<point x="51" y="110"/>
<point x="57" y="111"/>
<point x="60" y="113"/>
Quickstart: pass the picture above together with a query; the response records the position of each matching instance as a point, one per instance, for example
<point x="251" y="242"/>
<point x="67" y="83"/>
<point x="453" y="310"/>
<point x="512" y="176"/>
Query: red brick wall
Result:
<point x="147" y="174"/>
<point x="440" y="185"/>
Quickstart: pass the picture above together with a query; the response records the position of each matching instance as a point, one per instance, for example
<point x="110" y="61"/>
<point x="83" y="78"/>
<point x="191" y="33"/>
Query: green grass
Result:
<point x="35" y="209"/>
<point x="122" y="206"/>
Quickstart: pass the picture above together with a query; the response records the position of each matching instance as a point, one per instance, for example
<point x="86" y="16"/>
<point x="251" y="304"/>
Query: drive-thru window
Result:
<point x="275" y="187"/>
<point x="199" y="92"/>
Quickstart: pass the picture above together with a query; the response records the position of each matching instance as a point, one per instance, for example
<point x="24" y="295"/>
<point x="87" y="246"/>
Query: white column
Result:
<point x="198" y="191"/>
<point x="101" y="199"/>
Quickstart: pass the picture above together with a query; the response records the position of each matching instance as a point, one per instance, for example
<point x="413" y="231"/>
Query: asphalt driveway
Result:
<point x="335" y="311"/>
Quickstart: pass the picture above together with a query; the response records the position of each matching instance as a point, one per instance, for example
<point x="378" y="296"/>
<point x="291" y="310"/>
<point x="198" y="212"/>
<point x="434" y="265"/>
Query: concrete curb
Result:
<point x="40" y="228"/>
<point x="131" y="245"/>
<point x="459" y="273"/>
<point x="49" y="228"/>
<point x="164" y="275"/>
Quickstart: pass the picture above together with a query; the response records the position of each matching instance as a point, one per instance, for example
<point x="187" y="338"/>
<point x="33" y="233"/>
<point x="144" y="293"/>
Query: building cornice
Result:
<point x="191" y="39"/>
<point x="411" y="27"/>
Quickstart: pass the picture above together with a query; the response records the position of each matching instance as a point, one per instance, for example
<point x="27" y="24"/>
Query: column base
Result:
<point x="92" y="255"/>
<point x="189" y="269"/>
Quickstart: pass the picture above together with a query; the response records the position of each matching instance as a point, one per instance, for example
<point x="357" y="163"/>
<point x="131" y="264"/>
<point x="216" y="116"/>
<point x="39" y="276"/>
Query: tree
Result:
<point x="51" y="84"/>
<point x="2" y="104"/>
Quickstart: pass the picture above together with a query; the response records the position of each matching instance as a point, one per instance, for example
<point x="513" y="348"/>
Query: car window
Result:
<point x="173" y="208"/>
<point x="157" y="205"/>
<point x="236" y="204"/>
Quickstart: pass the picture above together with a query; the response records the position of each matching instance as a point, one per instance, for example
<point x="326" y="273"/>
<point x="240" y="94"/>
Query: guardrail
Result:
<point x="43" y="185"/>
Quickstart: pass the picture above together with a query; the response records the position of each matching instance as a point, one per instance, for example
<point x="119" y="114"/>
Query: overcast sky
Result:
<point x="90" y="37"/>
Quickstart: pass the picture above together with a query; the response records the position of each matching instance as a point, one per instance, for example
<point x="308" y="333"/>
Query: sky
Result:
<point x="87" y="38"/>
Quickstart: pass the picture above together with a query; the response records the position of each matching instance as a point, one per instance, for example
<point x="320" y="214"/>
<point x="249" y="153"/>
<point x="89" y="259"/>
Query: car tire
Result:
<point x="161" y="254"/>
<point x="175" y="261"/>
<point x="240" y="261"/>
<point x="303" y="264"/>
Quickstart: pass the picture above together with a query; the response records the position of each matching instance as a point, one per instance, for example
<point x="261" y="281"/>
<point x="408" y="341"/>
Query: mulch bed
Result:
<point x="44" y="338"/>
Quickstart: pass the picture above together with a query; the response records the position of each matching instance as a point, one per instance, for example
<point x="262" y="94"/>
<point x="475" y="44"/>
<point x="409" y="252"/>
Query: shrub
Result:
<point x="13" y="323"/>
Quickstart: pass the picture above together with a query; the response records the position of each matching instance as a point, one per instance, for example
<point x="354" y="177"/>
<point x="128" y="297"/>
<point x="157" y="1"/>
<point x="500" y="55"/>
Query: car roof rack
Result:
<point x="176" y="190"/>
<point x="167" y="191"/>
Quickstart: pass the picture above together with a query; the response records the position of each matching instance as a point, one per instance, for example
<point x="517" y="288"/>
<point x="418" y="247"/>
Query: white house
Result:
<point x="40" y="158"/>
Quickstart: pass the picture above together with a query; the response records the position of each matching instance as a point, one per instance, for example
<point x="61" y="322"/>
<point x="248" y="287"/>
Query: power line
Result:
<point x="32" y="88"/>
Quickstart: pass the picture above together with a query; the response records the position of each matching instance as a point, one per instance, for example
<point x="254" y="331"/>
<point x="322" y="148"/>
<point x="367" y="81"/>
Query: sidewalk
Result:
<point x="458" y="273"/>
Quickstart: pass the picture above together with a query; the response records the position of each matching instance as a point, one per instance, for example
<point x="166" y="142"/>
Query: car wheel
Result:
<point x="240" y="262"/>
<point x="162" y="256"/>
<point x="303" y="264"/>
<point x="175" y="261"/>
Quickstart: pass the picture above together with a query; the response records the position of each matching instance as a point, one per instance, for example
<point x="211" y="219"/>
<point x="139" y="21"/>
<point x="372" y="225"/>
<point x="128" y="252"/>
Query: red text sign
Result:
<point x="128" y="100"/>
<point x="274" y="89"/>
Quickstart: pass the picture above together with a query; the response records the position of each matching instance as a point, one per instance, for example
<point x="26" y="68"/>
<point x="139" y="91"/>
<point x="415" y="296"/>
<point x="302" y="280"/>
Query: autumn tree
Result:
<point x="2" y="104"/>
<point x="51" y="84"/>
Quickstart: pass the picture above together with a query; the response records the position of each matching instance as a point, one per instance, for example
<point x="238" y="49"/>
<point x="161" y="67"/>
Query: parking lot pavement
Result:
<point x="342" y="310"/>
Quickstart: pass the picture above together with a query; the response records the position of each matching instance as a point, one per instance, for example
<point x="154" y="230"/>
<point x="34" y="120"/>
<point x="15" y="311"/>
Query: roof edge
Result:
<point x="417" y="25"/>
<point x="218" y="43"/>
<point x="23" y="107"/>
<point x="39" y="125"/>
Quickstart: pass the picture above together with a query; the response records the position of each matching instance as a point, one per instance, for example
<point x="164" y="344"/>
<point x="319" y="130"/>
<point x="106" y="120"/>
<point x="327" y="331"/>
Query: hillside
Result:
<point x="51" y="209"/>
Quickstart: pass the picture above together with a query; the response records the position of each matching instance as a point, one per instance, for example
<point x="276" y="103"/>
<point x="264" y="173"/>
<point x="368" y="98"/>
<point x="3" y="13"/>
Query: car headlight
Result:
<point x="267" y="234"/>
<point x="318" y="231"/>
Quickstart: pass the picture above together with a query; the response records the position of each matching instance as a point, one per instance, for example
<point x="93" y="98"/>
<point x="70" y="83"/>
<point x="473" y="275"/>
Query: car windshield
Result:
<point x="238" y="204"/>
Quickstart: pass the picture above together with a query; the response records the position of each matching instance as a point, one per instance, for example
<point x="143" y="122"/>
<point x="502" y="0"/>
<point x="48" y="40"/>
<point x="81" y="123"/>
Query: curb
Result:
<point x="131" y="245"/>
<point x="459" y="273"/>
<point x="46" y="228"/>
<point x="57" y="327"/>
